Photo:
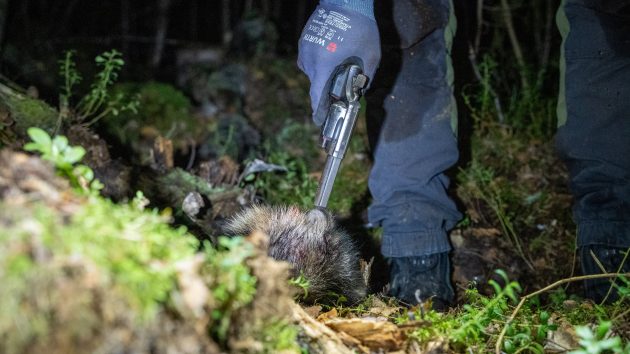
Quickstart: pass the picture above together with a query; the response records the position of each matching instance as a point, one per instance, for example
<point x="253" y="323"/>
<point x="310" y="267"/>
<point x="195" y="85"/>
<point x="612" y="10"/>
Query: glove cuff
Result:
<point x="364" y="7"/>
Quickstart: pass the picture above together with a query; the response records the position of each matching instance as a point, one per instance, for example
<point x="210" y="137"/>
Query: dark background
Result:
<point x="34" y="34"/>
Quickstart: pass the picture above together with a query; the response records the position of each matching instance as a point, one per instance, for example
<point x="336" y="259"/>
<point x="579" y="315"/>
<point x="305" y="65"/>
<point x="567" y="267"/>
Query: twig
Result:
<point x="612" y="285"/>
<point x="193" y="155"/>
<point x="621" y="315"/>
<point x="10" y="91"/>
<point x="573" y="263"/>
<point x="497" y="347"/>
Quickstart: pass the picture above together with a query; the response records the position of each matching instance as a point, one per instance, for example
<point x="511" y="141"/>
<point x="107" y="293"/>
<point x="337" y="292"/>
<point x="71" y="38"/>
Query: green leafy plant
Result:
<point x="482" y="182"/>
<point x="99" y="101"/>
<point x="235" y="285"/>
<point x="529" y="336"/>
<point x="302" y="283"/>
<point x="64" y="157"/>
<point x="482" y="311"/>
<point x="599" y="341"/>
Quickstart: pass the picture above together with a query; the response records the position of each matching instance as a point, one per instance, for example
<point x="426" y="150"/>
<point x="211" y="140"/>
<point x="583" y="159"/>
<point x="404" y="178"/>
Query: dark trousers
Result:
<point x="594" y="117"/>
<point x="411" y="118"/>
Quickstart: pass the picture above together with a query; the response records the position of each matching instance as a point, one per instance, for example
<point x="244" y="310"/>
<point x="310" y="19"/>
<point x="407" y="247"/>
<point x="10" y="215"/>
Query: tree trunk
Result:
<point x="194" y="9"/>
<point x="249" y="5"/>
<point x="276" y="10"/>
<point x="516" y="46"/>
<point x="549" y="17"/>
<point x="160" y="32"/>
<point x="124" y="25"/>
<point x="4" y="6"/>
<point x="226" y="26"/>
<point x="301" y="16"/>
<point x="264" y="4"/>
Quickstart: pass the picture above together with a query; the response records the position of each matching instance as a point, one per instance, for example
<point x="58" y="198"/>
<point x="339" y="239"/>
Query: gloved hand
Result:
<point x="332" y="36"/>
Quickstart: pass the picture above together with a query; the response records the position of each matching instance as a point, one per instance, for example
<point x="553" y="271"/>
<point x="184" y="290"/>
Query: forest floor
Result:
<point x="91" y="265"/>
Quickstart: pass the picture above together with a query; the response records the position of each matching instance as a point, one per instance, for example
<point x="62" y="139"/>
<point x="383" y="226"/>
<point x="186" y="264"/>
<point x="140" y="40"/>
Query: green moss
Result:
<point x="278" y="335"/>
<point x="124" y="242"/>
<point x="182" y="181"/>
<point x="28" y="112"/>
<point x="110" y="257"/>
<point x="130" y="255"/>
<point x="162" y="108"/>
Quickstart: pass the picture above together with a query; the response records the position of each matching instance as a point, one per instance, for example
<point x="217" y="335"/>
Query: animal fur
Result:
<point x="312" y="243"/>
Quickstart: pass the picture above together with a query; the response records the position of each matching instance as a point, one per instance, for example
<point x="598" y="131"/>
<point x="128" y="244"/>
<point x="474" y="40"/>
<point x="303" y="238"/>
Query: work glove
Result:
<point x="335" y="35"/>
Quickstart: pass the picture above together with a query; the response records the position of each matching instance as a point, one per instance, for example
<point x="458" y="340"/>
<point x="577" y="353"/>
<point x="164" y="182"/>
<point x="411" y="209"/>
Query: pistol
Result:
<point x="346" y="89"/>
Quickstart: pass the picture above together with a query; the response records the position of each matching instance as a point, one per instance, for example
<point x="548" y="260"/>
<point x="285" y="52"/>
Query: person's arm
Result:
<point x="338" y="31"/>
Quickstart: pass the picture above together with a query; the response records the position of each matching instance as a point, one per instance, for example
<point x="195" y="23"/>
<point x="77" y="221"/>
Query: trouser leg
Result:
<point x="594" y="117"/>
<point x="412" y="109"/>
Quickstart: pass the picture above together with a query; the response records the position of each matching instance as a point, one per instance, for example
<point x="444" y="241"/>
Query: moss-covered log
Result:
<point x="88" y="275"/>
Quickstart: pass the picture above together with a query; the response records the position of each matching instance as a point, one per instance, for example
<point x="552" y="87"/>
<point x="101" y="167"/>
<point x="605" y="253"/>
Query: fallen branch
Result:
<point x="497" y="348"/>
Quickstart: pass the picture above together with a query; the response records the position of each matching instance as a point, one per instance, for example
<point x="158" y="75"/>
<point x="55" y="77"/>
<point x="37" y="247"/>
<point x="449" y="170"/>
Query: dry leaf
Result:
<point x="485" y="232"/>
<point x="376" y="333"/>
<point x="328" y="315"/>
<point x="384" y="311"/>
<point x="561" y="340"/>
<point x="313" y="311"/>
<point x="352" y="342"/>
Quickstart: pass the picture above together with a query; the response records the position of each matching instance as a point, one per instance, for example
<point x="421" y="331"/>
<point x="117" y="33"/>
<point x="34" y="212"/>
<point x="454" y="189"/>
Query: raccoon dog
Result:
<point x="312" y="243"/>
